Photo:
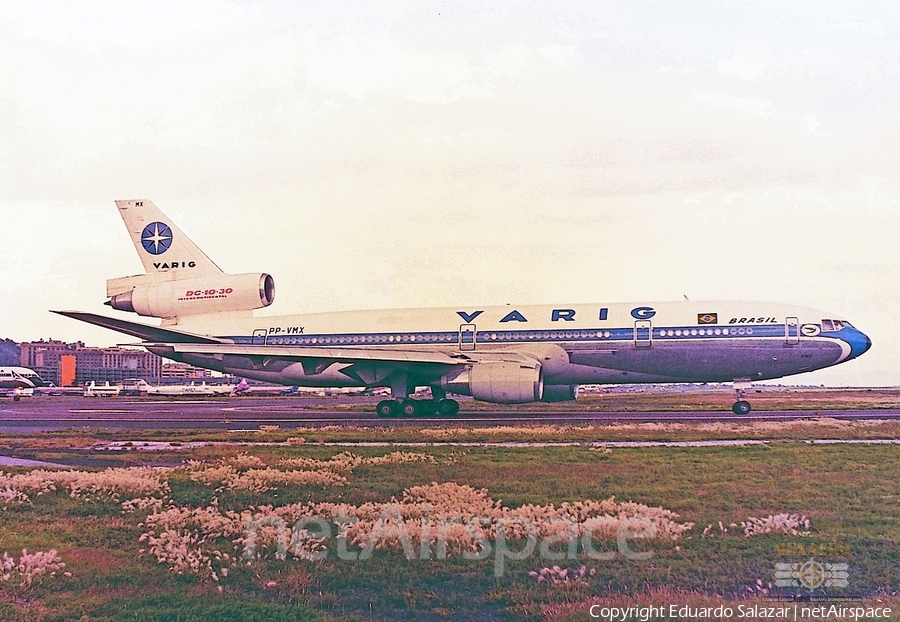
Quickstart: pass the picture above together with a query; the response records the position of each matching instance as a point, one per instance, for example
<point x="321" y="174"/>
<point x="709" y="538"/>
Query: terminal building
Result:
<point x="73" y="364"/>
<point x="173" y="370"/>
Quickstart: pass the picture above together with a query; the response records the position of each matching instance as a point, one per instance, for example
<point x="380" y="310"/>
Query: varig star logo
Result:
<point x="708" y="318"/>
<point x="811" y="574"/>
<point x="810" y="330"/>
<point x="156" y="238"/>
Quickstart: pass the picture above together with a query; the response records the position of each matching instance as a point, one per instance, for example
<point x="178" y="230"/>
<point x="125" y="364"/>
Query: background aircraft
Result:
<point x="142" y="387"/>
<point x="507" y="354"/>
<point x="16" y="379"/>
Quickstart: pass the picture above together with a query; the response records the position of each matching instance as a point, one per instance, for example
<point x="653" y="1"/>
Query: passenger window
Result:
<point x="827" y="326"/>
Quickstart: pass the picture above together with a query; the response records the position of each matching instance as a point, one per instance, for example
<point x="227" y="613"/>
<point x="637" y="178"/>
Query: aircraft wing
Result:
<point x="307" y="353"/>
<point x="369" y="366"/>
<point x="163" y="340"/>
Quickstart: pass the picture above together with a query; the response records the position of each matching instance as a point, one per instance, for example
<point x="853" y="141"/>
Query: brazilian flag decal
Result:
<point x="708" y="318"/>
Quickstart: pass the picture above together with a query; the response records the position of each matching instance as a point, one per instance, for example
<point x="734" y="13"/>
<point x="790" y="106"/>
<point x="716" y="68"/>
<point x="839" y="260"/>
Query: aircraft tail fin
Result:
<point x="180" y="280"/>
<point x="160" y="244"/>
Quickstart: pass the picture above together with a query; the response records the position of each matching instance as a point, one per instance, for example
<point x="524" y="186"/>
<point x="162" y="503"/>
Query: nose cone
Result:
<point x="859" y="342"/>
<point x="867" y="345"/>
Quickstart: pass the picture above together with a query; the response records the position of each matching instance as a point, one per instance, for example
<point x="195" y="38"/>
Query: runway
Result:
<point x="242" y="413"/>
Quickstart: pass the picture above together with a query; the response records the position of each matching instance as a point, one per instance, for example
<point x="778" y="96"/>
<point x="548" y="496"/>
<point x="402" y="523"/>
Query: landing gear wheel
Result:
<point x="447" y="408"/>
<point x="741" y="407"/>
<point x="387" y="408"/>
<point x="16" y="398"/>
<point x="410" y="408"/>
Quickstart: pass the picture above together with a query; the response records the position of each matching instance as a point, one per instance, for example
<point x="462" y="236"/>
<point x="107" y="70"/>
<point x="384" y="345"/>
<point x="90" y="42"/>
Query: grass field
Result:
<point x="163" y="535"/>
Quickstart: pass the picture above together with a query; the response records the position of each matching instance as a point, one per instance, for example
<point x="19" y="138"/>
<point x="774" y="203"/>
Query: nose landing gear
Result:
<point x="741" y="406"/>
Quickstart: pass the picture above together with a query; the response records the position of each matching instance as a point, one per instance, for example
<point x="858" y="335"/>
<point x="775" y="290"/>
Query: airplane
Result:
<point x="19" y="379"/>
<point x="509" y="354"/>
<point x="141" y="387"/>
<point x="325" y="392"/>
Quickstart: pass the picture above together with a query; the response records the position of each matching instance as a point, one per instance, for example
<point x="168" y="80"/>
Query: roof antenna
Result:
<point x="685" y="297"/>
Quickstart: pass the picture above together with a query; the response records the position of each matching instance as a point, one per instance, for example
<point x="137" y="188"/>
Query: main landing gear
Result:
<point x="403" y="405"/>
<point x="417" y="408"/>
<point x="741" y="406"/>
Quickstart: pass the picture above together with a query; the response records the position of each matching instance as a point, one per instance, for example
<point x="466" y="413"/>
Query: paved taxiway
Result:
<point x="242" y="413"/>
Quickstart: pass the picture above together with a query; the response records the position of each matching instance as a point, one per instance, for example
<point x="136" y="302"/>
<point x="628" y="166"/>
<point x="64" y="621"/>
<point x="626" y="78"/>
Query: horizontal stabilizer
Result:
<point x="142" y="331"/>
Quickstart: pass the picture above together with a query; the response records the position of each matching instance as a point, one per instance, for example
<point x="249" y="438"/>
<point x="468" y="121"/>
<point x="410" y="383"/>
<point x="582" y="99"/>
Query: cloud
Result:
<point x="859" y="30"/>
<point x="684" y="70"/>
<point x="751" y="61"/>
<point x="366" y="67"/>
<point x="753" y="107"/>
<point x="812" y="124"/>
<point x="381" y="155"/>
<point x="143" y="24"/>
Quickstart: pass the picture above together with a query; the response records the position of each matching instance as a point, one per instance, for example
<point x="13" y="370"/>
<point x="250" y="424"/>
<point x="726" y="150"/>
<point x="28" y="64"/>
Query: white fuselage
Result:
<point x="506" y="354"/>
<point x="575" y="344"/>
<point x="19" y="378"/>
<point x="193" y="388"/>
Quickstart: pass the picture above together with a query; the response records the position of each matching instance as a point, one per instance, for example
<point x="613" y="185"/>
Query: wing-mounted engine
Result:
<point x="560" y="392"/>
<point x="500" y="382"/>
<point x="164" y="296"/>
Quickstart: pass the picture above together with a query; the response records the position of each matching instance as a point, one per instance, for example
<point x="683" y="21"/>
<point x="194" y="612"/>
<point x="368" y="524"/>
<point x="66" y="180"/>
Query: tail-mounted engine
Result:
<point x="158" y="295"/>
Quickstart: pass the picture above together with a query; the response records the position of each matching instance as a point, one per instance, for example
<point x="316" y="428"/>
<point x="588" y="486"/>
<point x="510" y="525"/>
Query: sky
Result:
<point x="444" y="153"/>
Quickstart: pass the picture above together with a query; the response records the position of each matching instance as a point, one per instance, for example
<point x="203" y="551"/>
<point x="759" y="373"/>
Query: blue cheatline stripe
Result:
<point x="598" y="335"/>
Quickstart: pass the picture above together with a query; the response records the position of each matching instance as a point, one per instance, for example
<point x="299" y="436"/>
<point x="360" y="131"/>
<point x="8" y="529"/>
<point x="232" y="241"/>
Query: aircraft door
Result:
<point x="643" y="333"/>
<point x="259" y="336"/>
<point x="467" y="337"/>
<point x="792" y="331"/>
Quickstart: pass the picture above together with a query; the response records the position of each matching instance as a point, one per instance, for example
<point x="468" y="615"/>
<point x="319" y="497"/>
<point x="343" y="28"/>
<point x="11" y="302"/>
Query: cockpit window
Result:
<point x="832" y="325"/>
